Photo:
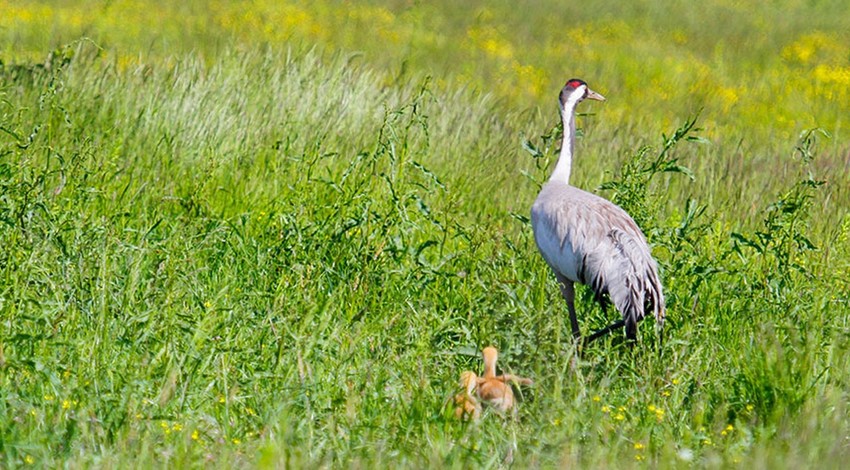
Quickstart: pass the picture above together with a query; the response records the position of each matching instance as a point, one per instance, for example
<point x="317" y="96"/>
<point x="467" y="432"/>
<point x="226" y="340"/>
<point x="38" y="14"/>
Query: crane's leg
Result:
<point x="604" y="331"/>
<point x="631" y="330"/>
<point x="660" y="338"/>
<point x="569" y="293"/>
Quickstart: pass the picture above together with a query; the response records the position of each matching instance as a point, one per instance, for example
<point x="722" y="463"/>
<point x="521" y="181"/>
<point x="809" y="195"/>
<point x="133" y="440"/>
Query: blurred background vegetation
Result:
<point x="755" y="68"/>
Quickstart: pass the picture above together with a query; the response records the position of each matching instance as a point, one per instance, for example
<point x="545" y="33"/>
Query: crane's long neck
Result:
<point x="565" y="160"/>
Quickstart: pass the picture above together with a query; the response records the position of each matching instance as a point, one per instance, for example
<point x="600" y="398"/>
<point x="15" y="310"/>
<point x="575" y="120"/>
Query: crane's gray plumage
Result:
<point x="585" y="238"/>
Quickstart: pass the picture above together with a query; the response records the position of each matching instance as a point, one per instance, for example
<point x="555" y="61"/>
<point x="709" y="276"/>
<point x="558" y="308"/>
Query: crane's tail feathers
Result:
<point x="634" y="286"/>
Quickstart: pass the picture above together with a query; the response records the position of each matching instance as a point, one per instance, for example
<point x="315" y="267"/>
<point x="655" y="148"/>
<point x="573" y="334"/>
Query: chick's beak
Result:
<point x="592" y="95"/>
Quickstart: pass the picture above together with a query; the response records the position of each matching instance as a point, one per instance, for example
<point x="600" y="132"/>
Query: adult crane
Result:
<point x="585" y="238"/>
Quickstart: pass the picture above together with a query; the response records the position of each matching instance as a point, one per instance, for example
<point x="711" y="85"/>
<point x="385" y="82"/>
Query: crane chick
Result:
<point x="466" y="405"/>
<point x="495" y="391"/>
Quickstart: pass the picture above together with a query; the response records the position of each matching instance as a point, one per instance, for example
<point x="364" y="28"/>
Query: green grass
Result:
<point x="271" y="256"/>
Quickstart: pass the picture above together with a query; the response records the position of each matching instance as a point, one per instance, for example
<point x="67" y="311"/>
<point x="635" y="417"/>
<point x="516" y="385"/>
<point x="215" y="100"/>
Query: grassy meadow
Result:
<point x="273" y="234"/>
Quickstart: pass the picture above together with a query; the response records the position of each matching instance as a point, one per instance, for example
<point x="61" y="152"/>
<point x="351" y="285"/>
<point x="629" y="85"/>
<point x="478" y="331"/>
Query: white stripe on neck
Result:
<point x="568" y="116"/>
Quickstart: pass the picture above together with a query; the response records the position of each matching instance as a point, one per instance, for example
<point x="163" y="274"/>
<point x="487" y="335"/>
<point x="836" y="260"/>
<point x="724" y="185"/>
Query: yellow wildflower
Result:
<point x="66" y="404"/>
<point x="29" y="459"/>
<point x="638" y="446"/>
<point x="165" y="427"/>
<point x="196" y="435"/>
<point x="597" y="398"/>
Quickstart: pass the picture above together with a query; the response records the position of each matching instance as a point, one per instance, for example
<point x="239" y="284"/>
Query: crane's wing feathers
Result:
<point x="590" y="240"/>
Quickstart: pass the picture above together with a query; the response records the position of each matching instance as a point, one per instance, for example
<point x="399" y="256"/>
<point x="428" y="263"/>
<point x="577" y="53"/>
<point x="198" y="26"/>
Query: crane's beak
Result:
<point x="592" y="95"/>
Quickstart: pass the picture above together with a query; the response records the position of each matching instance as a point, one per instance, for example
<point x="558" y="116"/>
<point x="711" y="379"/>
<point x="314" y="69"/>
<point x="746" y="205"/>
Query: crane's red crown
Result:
<point x="575" y="83"/>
